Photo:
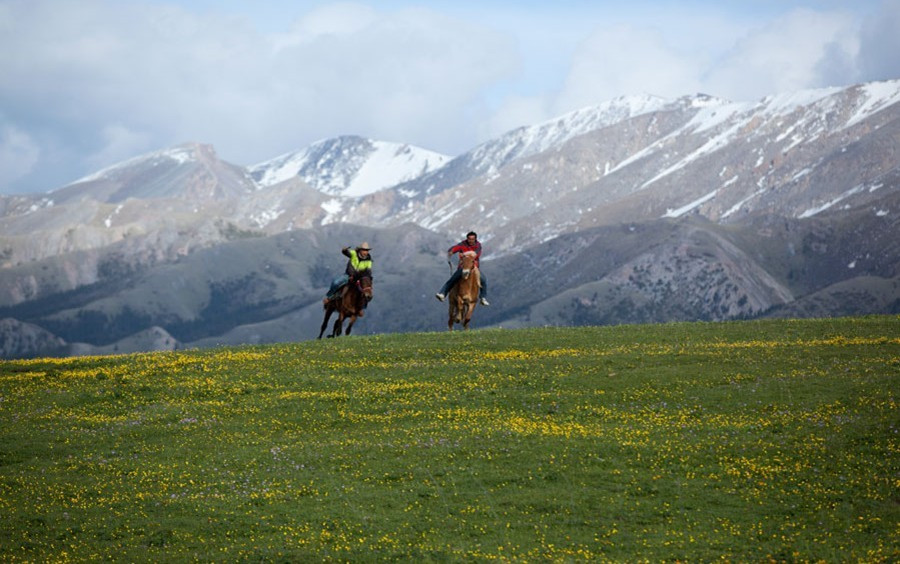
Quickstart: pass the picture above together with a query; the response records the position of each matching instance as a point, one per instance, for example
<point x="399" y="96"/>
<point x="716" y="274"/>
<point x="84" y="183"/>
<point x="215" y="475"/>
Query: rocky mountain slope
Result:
<point x="799" y="153"/>
<point x="636" y="210"/>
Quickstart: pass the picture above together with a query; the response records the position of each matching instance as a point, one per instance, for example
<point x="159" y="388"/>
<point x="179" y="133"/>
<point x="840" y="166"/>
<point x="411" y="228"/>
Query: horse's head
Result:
<point x="364" y="283"/>
<point x="467" y="263"/>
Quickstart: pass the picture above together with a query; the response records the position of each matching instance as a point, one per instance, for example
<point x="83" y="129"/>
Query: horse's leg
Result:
<point x="467" y="315"/>
<point x="458" y="305"/>
<point x="451" y="311"/>
<point x="338" y="325"/>
<point x="350" y="325"/>
<point x="328" y="312"/>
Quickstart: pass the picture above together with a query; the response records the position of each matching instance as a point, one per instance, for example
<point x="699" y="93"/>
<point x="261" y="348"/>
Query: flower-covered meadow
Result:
<point x="744" y="441"/>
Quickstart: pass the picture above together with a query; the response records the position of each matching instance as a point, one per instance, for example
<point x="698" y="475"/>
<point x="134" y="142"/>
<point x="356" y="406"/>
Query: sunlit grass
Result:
<point x="744" y="441"/>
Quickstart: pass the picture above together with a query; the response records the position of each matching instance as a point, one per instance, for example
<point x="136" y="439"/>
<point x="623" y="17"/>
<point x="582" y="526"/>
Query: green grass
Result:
<point x="743" y="441"/>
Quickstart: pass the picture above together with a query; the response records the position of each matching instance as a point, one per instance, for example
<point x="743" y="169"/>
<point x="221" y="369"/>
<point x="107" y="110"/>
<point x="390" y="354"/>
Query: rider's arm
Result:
<point x="354" y="259"/>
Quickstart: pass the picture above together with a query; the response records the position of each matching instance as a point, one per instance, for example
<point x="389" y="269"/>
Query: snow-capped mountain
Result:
<point x="798" y="154"/>
<point x="638" y="209"/>
<point x="350" y="166"/>
<point x="489" y="157"/>
<point x="629" y="159"/>
<point x="191" y="171"/>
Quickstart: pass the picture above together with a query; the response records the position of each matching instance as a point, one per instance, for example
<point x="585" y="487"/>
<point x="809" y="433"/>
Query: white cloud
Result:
<point x="880" y="43"/>
<point x="407" y="76"/>
<point x="114" y="76"/>
<point x="675" y="53"/>
<point x="784" y="55"/>
<point x="88" y="82"/>
<point x="627" y="60"/>
<point x="119" y="143"/>
<point x="516" y="111"/>
<point x="340" y="19"/>
<point x="18" y="154"/>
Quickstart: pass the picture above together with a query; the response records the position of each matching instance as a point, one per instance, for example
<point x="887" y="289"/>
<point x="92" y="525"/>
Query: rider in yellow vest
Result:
<point x="360" y="261"/>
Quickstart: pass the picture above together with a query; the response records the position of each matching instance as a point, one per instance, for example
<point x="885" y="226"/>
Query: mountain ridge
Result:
<point x="639" y="209"/>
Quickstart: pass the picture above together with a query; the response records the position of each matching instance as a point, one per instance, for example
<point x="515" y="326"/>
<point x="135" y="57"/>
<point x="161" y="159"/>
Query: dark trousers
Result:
<point x="457" y="274"/>
<point x="336" y="286"/>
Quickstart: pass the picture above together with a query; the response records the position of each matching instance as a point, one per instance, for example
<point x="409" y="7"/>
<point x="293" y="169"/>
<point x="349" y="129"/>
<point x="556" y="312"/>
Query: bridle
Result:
<point x="359" y="285"/>
<point x="466" y="273"/>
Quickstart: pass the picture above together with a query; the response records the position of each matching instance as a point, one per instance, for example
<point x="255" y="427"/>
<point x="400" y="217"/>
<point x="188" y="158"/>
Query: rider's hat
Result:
<point x="364" y="247"/>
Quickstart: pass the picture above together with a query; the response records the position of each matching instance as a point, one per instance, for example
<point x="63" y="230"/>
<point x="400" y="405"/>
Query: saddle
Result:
<point x="342" y="291"/>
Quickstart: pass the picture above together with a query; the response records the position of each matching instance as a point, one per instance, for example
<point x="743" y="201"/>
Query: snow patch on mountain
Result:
<point x="391" y="164"/>
<point x="181" y="155"/>
<point x="737" y="207"/>
<point x="108" y="221"/>
<point x="333" y="208"/>
<point x="818" y="209"/>
<point x="878" y="95"/>
<point x="782" y="104"/>
<point x="265" y="217"/>
<point x="695" y="204"/>
<point x="530" y="140"/>
<point x="735" y="117"/>
<point x="350" y="166"/>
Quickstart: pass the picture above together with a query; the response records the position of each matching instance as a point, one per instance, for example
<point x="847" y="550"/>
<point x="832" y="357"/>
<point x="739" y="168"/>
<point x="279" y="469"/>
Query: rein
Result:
<point x="359" y="287"/>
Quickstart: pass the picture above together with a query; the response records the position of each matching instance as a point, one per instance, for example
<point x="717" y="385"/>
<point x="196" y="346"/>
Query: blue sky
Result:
<point x="88" y="83"/>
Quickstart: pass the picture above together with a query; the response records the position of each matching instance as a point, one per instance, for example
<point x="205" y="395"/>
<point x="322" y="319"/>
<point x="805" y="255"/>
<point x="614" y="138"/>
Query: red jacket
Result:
<point x="463" y="247"/>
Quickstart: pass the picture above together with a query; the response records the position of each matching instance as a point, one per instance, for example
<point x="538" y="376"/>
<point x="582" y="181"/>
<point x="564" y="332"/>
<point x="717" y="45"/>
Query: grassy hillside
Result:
<point x="758" y="440"/>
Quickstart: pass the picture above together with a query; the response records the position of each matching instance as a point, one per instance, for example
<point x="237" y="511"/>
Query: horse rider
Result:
<point x="470" y="243"/>
<point x="360" y="261"/>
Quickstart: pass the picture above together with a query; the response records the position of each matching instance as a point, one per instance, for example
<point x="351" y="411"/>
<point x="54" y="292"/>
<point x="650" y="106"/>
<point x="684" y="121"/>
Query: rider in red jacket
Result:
<point x="471" y="243"/>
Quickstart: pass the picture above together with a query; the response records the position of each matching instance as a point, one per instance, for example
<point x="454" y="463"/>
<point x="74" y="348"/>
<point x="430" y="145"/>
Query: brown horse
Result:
<point x="464" y="295"/>
<point x="350" y="303"/>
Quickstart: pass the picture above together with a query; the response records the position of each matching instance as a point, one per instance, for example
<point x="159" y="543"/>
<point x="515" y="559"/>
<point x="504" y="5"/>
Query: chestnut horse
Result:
<point x="464" y="295"/>
<point x="350" y="303"/>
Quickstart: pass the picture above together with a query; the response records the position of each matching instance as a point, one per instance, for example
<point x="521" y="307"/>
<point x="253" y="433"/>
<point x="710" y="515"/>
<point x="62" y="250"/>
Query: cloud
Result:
<point x="627" y="60"/>
<point x="786" y="54"/>
<point x="119" y="143"/>
<point x="18" y="154"/>
<point x="340" y="19"/>
<point x="408" y="76"/>
<point x="110" y="77"/>
<point x="78" y="75"/>
<point x="86" y="83"/>
<point x="611" y="62"/>
<point x="726" y="54"/>
<point x="880" y="44"/>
